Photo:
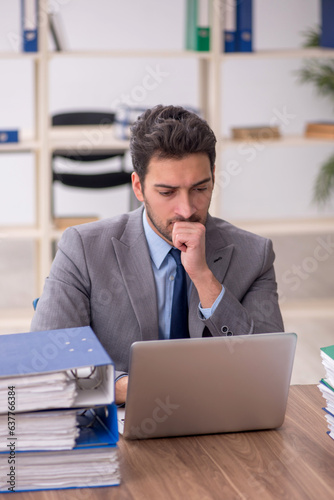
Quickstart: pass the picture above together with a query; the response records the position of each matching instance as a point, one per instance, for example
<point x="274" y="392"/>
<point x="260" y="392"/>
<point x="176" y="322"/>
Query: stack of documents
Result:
<point x="39" y="392"/>
<point x="92" y="462"/>
<point x="75" y="469"/>
<point x="56" y="430"/>
<point x="326" y="386"/>
<point x="58" y="420"/>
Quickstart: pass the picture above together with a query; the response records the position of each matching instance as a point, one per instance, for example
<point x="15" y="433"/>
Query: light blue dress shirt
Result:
<point x="164" y="270"/>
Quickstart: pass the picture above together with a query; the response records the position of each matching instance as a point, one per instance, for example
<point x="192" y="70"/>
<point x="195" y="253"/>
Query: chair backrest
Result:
<point x="83" y="118"/>
<point x="35" y="302"/>
<point x="95" y="180"/>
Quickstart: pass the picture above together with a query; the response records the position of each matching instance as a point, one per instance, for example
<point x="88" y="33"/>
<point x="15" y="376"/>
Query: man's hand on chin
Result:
<point x="189" y="237"/>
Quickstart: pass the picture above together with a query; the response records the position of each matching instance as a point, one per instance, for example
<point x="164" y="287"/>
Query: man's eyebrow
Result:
<point x="167" y="186"/>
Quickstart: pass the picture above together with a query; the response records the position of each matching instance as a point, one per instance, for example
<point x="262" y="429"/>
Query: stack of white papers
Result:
<point x="326" y="386"/>
<point x="45" y="430"/>
<point x="38" y="392"/>
<point x="61" y="469"/>
<point x="327" y="358"/>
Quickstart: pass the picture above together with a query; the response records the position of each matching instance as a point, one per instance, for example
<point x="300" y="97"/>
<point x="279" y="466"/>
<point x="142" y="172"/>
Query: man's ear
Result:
<point x="137" y="187"/>
<point x="213" y="174"/>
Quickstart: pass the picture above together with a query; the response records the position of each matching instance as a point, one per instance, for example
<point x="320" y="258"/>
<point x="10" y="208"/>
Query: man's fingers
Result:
<point x="187" y="234"/>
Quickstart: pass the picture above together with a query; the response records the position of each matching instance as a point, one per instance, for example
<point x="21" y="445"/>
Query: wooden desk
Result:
<point x="293" y="462"/>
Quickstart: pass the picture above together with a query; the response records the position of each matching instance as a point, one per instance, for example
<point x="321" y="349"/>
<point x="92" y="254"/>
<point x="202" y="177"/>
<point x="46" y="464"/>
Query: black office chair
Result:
<point x="96" y="180"/>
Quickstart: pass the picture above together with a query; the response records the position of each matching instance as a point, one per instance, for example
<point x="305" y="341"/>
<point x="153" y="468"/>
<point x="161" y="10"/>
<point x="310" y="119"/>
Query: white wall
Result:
<point x="273" y="182"/>
<point x="253" y="93"/>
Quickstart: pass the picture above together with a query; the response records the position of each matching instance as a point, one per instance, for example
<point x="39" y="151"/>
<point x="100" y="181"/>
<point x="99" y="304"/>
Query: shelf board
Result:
<point x="130" y="54"/>
<point x="20" y="147"/>
<point x="289" y="226"/>
<point x="288" y="140"/>
<point x="270" y="227"/>
<point x="308" y="53"/>
<point x="33" y="56"/>
<point x="82" y="137"/>
<point x="261" y="54"/>
<point x="20" y="233"/>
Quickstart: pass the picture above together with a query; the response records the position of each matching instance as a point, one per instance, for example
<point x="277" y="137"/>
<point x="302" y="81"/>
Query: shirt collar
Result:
<point x="158" y="247"/>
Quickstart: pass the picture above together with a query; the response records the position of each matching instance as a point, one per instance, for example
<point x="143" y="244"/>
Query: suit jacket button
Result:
<point x="229" y="334"/>
<point x="224" y="330"/>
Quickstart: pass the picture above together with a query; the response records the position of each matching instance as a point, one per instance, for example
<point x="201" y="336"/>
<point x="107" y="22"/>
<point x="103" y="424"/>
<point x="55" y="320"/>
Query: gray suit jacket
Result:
<point x="102" y="277"/>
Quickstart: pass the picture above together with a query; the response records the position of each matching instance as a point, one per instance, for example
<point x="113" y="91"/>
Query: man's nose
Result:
<point x="185" y="207"/>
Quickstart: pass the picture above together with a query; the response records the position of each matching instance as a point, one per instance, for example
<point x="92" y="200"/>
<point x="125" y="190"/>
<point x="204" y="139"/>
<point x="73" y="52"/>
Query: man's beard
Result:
<point x="166" y="230"/>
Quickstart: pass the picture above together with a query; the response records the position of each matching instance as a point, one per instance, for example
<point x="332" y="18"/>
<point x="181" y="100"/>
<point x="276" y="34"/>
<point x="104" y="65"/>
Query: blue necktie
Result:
<point x="179" y="319"/>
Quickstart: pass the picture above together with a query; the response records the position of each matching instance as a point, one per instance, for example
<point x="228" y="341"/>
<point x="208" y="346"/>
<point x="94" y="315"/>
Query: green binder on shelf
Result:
<point x="198" y="25"/>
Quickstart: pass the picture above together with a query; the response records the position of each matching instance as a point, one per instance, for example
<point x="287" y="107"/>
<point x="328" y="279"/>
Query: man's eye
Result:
<point x="201" y="189"/>
<point x="166" y="193"/>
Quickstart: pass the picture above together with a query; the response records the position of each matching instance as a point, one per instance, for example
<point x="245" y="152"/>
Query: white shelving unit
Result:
<point x="46" y="139"/>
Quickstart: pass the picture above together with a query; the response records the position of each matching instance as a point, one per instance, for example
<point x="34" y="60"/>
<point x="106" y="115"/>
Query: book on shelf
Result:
<point x="327" y="24"/>
<point x="326" y="386"/>
<point x="29" y="17"/>
<point x="51" y="437"/>
<point x="244" y="35"/>
<point x="198" y="29"/>
<point x="57" y="31"/>
<point x="62" y="223"/>
<point x="320" y="130"/>
<point x="229" y="16"/>
<point x="54" y="33"/>
<point x="258" y="133"/>
<point x="8" y="136"/>
<point x="237" y="25"/>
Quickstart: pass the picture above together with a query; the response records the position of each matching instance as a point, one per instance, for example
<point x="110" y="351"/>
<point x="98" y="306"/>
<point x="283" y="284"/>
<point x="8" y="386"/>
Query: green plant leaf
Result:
<point x="324" y="184"/>
<point x="321" y="74"/>
<point x="312" y="37"/>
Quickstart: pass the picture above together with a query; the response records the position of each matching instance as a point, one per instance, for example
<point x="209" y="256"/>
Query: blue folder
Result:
<point x="327" y="23"/>
<point x="29" y="16"/>
<point x="244" y="37"/>
<point x="65" y="350"/>
<point x="56" y="351"/>
<point x="9" y="136"/>
<point x="50" y="351"/>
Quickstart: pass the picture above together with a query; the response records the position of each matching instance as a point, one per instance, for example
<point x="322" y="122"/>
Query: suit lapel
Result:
<point x="135" y="265"/>
<point x="218" y="257"/>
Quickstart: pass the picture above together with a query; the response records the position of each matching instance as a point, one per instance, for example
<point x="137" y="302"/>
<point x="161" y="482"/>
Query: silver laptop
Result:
<point x="207" y="385"/>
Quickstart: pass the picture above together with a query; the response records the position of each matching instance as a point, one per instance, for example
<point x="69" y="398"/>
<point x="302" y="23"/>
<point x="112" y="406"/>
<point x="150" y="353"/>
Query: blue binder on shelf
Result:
<point x="76" y="351"/>
<point x="230" y="25"/>
<point x="9" y="136"/>
<point x="327" y="23"/>
<point x="29" y="11"/>
<point x="244" y="37"/>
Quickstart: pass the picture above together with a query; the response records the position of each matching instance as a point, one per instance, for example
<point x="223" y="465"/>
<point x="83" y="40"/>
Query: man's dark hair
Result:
<point x="168" y="132"/>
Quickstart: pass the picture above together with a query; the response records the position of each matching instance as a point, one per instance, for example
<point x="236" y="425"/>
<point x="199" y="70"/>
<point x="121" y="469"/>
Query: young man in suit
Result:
<point x="117" y="275"/>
